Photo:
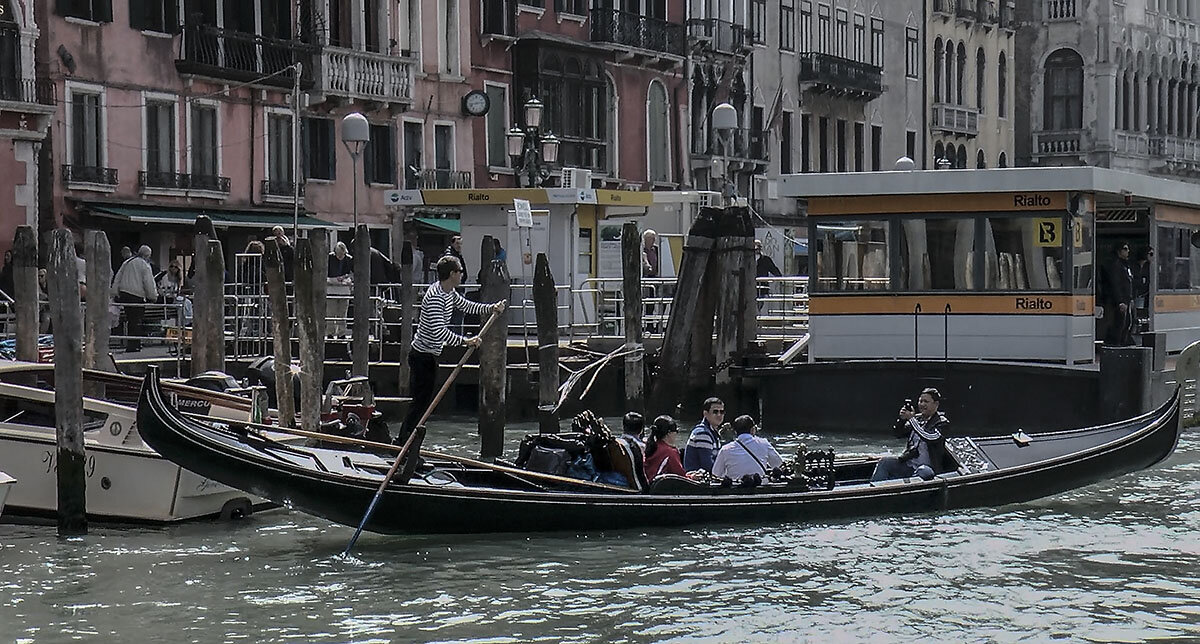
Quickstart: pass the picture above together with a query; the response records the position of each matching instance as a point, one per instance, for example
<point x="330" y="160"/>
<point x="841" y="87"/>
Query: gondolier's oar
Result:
<point x="420" y="428"/>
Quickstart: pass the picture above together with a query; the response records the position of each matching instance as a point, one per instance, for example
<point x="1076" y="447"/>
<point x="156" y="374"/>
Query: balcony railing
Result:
<point x="1058" y="142"/>
<point x="182" y="181"/>
<point x="945" y="7"/>
<point x="955" y="119"/>
<point x="219" y="53"/>
<point x="580" y="152"/>
<point x="1060" y="9"/>
<point x="989" y="15"/>
<point x="1132" y="143"/>
<point x="966" y="10"/>
<point x="722" y="37"/>
<point x="1006" y="17"/>
<point x="1175" y="149"/>
<point x="89" y="174"/>
<point x="633" y="30"/>
<point x="825" y="73"/>
<point x="27" y="90"/>
<point x="365" y="75"/>
<point x="745" y="144"/>
<point x="277" y="188"/>
<point x="444" y="179"/>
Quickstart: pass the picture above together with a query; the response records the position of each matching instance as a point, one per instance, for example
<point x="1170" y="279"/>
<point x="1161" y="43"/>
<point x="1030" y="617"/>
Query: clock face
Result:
<point x="476" y="103"/>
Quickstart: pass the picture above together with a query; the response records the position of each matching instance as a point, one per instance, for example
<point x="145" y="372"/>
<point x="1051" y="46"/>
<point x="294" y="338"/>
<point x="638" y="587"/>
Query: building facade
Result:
<point x="971" y="81"/>
<point x="25" y="109"/>
<point x="1113" y="85"/>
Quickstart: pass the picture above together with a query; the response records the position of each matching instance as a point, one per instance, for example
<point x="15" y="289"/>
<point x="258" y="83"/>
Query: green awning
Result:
<point x="220" y="218"/>
<point x="447" y="225"/>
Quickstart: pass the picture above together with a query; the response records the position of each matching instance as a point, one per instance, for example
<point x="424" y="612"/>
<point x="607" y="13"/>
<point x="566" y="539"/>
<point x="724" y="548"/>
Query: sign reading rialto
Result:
<point x="524" y="213"/>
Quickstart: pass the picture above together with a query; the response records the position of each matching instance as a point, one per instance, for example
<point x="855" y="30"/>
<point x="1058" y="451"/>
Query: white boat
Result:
<point x="126" y="480"/>
<point x="6" y="483"/>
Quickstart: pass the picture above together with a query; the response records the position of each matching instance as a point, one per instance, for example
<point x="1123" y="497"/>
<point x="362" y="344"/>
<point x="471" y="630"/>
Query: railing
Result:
<point x="278" y="188"/>
<point x="989" y="15"/>
<point x="743" y="143"/>
<point x="722" y="36"/>
<point x="1049" y="143"/>
<point x="89" y="174"/>
<point x="1060" y="9"/>
<point x="833" y="74"/>
<point x="216" y="52"/>
<point x="366" y="75"/>
<point x="27" y="90"/>
<point x="955" y="119"/>
<point x="945" y="7"/>
<point x="579" y="152"/>
<point x="434" y="178"/>
<point x="1132" y="143"/>
<point x="966" y="10"/>
<point x="182" y="181"/>
<point x="634" y="30"/>
<point x="1176" y="149"/>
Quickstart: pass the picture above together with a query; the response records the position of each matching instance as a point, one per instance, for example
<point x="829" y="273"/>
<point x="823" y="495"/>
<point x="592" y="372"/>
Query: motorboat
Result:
<point x="447" y="494"/>
<point x="6" y="483"/>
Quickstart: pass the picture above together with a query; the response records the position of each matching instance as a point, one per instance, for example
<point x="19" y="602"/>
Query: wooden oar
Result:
<point x="420" y="426"/>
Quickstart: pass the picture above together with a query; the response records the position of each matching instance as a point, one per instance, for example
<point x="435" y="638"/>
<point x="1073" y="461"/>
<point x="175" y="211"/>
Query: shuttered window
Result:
<point x="320" y="161"/>
<point x="94" y="10"/>
<point x="154" y="15"/>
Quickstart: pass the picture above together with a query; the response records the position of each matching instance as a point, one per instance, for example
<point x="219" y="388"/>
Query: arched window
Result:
<point x="937" y="70"/>
<point x="949" y="72"/>
<point x="10" y="54"/>
<point x="962" y="157"/>
<point x="938" y="152"/>
<point x="578" y="110"/>
<point x="980" y="160"/>
<point x="1002" y="162"/>
<point x="658" y="134"/>
<point x="1002" y="77"/>
<point x="961" y="67"/>
<point x="980" y="83"/>
<point x="1063" y="91"/>
<point x="950" y="156"/>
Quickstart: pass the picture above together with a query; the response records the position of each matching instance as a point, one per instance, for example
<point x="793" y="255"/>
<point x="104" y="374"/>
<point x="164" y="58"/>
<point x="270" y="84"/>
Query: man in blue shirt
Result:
<point x="704" y="441"/>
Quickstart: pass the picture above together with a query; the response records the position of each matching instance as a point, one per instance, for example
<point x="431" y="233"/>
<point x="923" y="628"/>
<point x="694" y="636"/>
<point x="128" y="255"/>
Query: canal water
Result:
<point x="1118" y="561"/>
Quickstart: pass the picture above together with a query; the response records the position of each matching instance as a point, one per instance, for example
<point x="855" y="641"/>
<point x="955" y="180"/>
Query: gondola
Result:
<point x="458" y="495"/>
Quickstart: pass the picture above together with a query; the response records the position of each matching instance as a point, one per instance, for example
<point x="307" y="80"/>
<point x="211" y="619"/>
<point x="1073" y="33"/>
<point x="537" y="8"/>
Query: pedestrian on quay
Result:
<point x="286" y="252"/>
<point x="134" y="284"/>
<point x="1116" y="296"/>
<point x="433" y="334"/>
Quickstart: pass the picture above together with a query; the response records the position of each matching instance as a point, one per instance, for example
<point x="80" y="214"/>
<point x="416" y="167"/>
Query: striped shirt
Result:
<point x="433" y="328"/>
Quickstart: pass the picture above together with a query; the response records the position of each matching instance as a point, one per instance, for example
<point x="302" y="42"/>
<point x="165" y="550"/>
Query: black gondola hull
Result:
<point x="314" y="481"/>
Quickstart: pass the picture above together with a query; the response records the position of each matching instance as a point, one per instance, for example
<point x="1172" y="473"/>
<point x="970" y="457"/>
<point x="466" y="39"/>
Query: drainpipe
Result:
<point x="924" y="86"/>
<point x="253" y="102"/>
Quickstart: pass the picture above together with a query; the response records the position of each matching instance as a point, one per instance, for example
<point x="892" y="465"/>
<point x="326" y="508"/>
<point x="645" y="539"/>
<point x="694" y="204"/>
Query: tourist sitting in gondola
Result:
<point x="662" y="457"/>
<point x="634" y="426"/>
<point x="747" y="457"/>
<point x="925" y="451"/>
<point x="704" y="440"/>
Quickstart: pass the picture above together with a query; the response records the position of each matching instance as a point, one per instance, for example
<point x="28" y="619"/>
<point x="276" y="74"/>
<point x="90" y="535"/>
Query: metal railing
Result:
<point x="182" y="181"/>
<point x="89" y="174"/>
<point x="634" y="30"/>
<point x="436" y="178"/>
<point x="826" y="72"/>
<point x="27" y="90"/>
<point x="278" y="188"/>
<point x="722" y="36"/>
<point x="220" y="53"/>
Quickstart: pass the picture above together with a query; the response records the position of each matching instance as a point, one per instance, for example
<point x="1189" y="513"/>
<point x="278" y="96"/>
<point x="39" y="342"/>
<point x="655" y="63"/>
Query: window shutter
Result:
<point x="329" y="147"/>
<point x="171" y="17"/>
<point x="102" y="10"/>
<point x="369" y="158"/>
<point x="306" y="146"/>
<point x="137" y="14"/>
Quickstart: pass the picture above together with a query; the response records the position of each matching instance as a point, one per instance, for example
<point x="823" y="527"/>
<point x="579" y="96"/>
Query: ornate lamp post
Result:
<point x="355" y="134"/>
<point x="533" y="150"/>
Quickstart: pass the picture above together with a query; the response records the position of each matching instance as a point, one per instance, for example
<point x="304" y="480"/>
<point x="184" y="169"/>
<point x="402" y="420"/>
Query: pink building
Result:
<point x="25" y="108"/>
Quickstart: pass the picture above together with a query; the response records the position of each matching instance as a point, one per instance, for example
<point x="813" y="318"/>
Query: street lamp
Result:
<point x="532" y="149"/>
<point x="725" y="121"/>
<point x="355" y="134"/>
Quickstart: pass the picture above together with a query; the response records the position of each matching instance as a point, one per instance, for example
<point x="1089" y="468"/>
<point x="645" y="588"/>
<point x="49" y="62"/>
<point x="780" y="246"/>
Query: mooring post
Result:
<point x="697" y="248"/>
<point x="360" y="361"/>
<point x="25" y="292"/>
<point x="65" y="315"/>
<point x="214" y="278"/>
<point x="406" y="313"/>
<point x="319" y="243"/>
<point x="202" y="335"/>
<point x="748" y="302"/>
<point x="281" y="324"/>
<point x="631" y="286"/>
<point x="98" y="256"/>
<point x="1126" y="376"/>
<point x="311" y="369"/>
<point x="545" y="307"/>
<point x="493" y="355"/>
<point x="729" y="296"/>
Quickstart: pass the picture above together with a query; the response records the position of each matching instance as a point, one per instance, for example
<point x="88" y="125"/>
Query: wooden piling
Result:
<point x="25" y="292"/>
<point x="97" y="328"/>
<point x="311" y="342"/>
<point x="362" y="302"/>
<point x="65" y="314"/>
<point x="631" y="285"/>
<point x="545" y="306"/>
<point x="281" y="332"/>
<point x="693" y="273"/>
<point x="730" y="278"/>
<point x="214" y="319"/>
<point x="748" y="304"/>
<point x="493" y="356"/>
<point x="319" y="244"/>
<point x="407" y="295"/>
<point x="201" y="334"/>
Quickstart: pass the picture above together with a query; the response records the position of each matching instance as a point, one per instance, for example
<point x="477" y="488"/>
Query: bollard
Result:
<point x="362" y="302"/>
<point x="631" y="286"/>
<point x="728" y="291"/>
<point x="545" y="306"/>
<point x="493" y="356"/>
<point x="1125" y="382"/>
<point x="406" y="313"/>
<point x="281" y="332"/>
<point x="202" y="334"/>
<point x="25" y="293"/>
<point x="67" y="319"/>
<point x="311" y="342"/>
<point x="318" y="239"/>
<point x="214" y="314"/>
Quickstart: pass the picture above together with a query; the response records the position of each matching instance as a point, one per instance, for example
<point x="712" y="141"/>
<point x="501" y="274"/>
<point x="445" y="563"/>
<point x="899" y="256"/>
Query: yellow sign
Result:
<point x="624" y="198"/>
<point x="1077" y="237"/>
<point x="1047" y="232"/>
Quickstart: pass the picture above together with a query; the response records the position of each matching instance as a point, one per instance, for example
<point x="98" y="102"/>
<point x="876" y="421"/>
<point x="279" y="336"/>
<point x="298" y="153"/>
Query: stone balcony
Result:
<point x="959" y="120"/>
<point x="1175" y="149"/>
<point x="1058" y="143"/>
<point x="364" y="76"/>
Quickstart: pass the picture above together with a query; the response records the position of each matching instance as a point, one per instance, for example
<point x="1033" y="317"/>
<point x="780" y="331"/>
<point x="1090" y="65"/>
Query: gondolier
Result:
<point x="433" y="334"/>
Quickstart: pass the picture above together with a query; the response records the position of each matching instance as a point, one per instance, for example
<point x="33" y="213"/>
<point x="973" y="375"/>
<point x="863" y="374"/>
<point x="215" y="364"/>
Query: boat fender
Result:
<point x="238" y="508"/>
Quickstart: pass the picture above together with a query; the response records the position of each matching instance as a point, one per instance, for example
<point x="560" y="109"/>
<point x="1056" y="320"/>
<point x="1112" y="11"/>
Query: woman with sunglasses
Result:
<point x="662" y="457"/>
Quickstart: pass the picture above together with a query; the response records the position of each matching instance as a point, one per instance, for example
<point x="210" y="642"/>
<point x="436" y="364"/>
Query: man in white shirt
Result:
<point x="747" y="454"/>
<point x="134" y="284"/>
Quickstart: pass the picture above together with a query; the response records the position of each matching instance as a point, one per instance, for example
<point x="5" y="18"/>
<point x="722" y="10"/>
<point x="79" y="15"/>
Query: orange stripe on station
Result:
<point x="829" y="304"/>
<point x="1176" y="303"/>
<point x="922" y="204"/>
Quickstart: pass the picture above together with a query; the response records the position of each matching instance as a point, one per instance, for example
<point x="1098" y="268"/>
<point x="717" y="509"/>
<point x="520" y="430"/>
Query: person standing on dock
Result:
<point x="134" y="284"/>
<point x="1116" y="296"/>
<point x="433" y="334"/>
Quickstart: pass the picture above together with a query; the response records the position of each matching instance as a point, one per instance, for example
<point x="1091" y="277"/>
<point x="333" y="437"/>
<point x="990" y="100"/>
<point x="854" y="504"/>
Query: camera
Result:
<point x="908" y="404"/>
<point x="900" y="427"/>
